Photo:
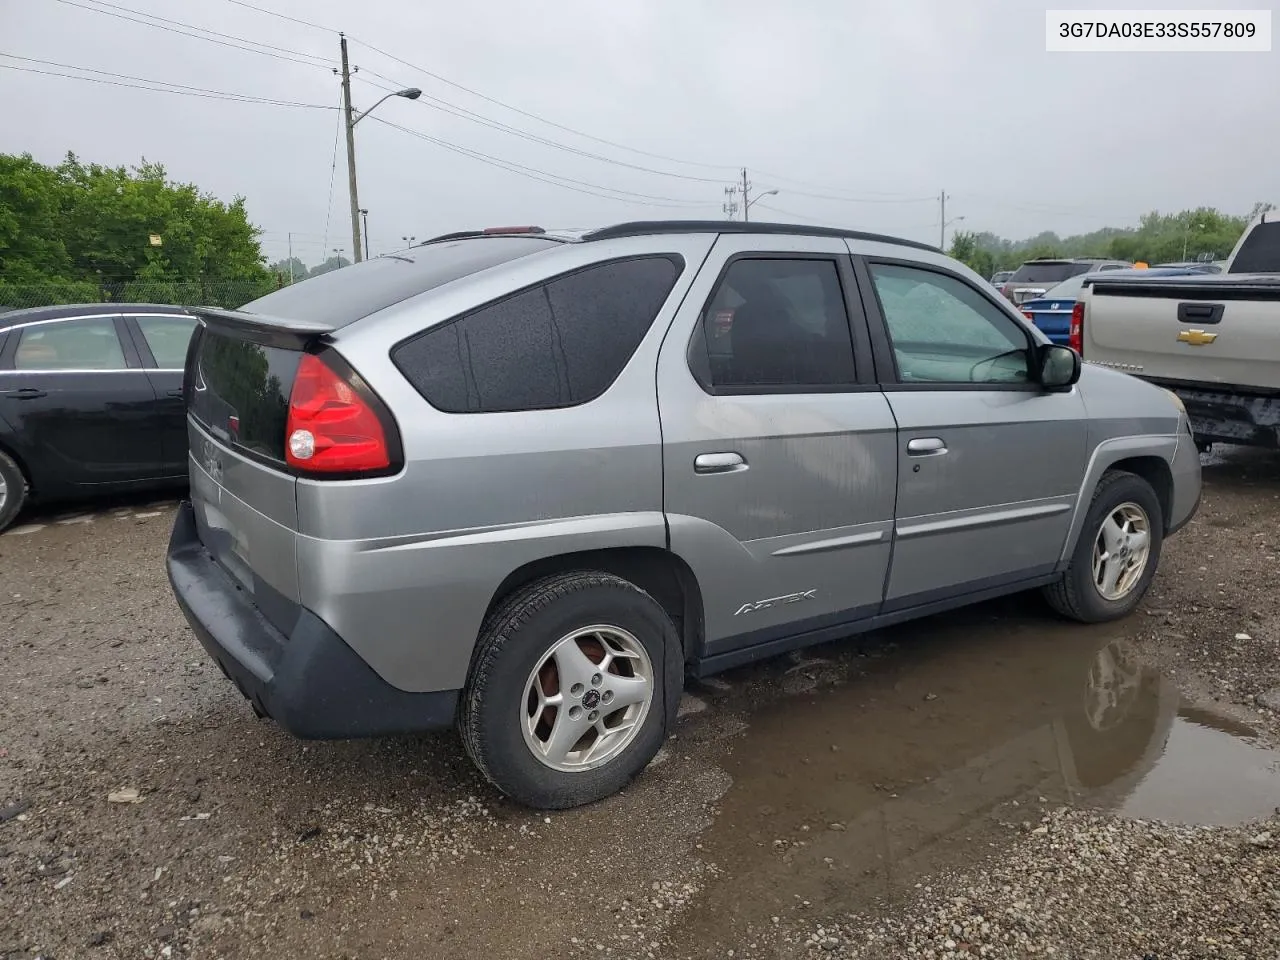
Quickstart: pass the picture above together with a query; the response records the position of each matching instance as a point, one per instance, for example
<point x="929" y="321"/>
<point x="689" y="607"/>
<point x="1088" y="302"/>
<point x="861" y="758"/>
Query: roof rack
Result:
<point x="639" y="228"/>
<point x="489" y="232"/>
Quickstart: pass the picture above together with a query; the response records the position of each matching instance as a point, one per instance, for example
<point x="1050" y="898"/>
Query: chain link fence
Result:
<point x="207" y="293"/>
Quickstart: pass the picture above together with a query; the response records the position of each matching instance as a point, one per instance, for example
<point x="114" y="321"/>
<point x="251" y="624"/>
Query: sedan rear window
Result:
<point x="1049" y="271"/>
<point x="1067" y="290"/>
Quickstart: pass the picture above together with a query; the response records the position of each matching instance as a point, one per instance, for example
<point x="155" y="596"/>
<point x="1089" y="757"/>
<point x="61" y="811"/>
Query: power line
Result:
<point x="216" y="33"/>
<point x="556" y="180"/>
<point x="196" y="36"/>
<point x="333" y="166"/>
<point x="789" y="213"/>
<point x="534" y="116"/>
<point x="435" y="103"/>
<point x="837" y="199"/>
<point x="282" y="16"/>
<point x="167" y="88"/>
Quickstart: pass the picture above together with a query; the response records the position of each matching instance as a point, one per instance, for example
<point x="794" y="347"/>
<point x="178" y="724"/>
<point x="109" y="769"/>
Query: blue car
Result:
<point x="1052" y="312"/>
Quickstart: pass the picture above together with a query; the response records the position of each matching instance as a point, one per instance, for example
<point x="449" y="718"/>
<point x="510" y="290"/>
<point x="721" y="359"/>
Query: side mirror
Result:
<point x="1059" y="366"/>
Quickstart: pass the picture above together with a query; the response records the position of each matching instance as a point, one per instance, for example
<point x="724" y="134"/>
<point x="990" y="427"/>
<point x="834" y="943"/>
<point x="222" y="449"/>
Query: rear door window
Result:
<point x="558" y="344"/>
<point x="239" y="391"/>
<point x="89" y="344"/>
<point x="167" y="338"/>
<point x="778" y="324"/>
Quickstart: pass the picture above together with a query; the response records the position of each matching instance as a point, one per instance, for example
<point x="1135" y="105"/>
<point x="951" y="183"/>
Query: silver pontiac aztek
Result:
<point x="525" y="482"/>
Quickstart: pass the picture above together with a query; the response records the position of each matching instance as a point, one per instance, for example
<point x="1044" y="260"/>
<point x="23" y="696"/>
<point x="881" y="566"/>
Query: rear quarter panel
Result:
<point x="405" y="567"/>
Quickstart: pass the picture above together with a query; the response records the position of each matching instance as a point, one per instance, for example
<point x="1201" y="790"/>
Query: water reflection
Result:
<point x="950" y="746"/>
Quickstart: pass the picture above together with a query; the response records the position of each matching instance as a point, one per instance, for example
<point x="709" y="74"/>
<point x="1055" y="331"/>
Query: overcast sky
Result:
<point x="885" y="103"/>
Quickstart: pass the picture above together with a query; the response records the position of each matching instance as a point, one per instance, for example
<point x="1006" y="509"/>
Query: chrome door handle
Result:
<point x="718" y="463"/>
<point x="926" y="447"/>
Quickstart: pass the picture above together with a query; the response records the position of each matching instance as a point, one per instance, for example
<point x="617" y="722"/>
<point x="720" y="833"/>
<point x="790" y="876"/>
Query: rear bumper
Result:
<point x="309" y="681"/>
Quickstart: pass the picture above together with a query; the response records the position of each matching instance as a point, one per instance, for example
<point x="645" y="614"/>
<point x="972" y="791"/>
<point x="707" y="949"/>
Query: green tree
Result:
<point x="333" y="263"/>
<point x="31" y="247"/>
<point x="965" y="248"/>
<point x="292" y="267"/>
<point x="80" y="223"/>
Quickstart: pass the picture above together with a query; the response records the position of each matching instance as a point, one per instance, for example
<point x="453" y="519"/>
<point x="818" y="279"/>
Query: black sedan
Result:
<point x="90" y="401"/>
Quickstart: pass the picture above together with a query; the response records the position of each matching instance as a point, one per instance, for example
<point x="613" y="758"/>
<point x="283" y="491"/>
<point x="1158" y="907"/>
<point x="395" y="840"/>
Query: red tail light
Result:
<point x="1029" y="315"/>
<point x="1075" y="337"/>
<point x="335" y="425"/>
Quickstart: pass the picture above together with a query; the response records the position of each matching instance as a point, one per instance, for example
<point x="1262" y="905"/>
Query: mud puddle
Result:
<point x="943" y="741"/>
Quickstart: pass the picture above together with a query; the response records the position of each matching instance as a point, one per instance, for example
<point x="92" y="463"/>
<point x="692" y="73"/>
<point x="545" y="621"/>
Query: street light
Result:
<point x="945" y="224"/>
<point x="352" y="118"/>
<point x="365" y="215"/>
<point x="1186" y="235"/>
<point x="746" y="210"/>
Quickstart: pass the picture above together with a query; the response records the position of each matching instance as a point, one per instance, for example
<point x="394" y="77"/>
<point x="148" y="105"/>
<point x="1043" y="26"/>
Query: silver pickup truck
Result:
<point x="1214" y="340"/>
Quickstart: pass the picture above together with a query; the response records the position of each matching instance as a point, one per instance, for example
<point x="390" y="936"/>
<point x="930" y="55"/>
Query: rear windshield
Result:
<point x="240" y="392"/>
<point x="1051" y="271"/>
<point x="343" y="296"/>
<point x="1260" y="252"/>
<point x="1067" y="290"/>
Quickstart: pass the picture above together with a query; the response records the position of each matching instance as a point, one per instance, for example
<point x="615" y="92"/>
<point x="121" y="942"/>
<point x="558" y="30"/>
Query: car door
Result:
<point x="78" y="402"/>
<point x="778" y="447"/>
<point x="162" y="340"/>
<point x="989" y="462"/>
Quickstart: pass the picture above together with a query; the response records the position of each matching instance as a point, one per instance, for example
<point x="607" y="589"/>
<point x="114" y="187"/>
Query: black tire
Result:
<point x="1076" y="595"/>
<point x="515" y="637"/>
<point x="15" y="486"/>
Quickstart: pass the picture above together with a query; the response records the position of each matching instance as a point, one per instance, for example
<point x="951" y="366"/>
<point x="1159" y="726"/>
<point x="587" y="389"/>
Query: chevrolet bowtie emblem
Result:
<point x="1197" y="338"/>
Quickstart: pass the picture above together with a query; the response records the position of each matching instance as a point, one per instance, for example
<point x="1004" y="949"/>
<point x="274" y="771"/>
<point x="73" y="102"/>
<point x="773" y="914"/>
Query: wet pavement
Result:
<point x="842" y="780"/>
<point x="925" y="751"/>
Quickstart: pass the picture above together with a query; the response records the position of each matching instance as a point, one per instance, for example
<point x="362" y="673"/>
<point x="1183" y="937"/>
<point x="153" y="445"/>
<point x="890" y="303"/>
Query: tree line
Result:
<point x="85" y="232"/>
<point x="1200" y="234"/>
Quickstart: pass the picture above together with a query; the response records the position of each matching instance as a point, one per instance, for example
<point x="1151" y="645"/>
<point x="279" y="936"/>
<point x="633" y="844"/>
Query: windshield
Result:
<point x="1048" y="271"/>
<point x="1067" y="290"/>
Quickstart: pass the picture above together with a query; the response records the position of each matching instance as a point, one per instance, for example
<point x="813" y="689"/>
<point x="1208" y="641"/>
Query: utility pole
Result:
<point x="290" y="259"/>
<point x="746" y="196"/>
<point x="350" y="123"/>
<point x="942" y="220"/>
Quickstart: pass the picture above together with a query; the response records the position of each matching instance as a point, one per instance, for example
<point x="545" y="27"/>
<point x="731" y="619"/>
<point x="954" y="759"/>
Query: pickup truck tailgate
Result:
<point x="1197" y="329"/>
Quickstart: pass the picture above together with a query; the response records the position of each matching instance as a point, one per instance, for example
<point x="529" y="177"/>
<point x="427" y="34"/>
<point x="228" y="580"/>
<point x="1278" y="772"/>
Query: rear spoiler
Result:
<point x="261" y="329"/>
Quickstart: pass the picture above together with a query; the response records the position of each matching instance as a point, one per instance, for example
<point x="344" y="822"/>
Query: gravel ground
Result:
<point x="836" y="802"/>
<point x="1083" y="885"/>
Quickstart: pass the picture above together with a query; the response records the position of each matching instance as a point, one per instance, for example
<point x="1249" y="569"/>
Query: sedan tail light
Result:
<point x="1075" y="336"/>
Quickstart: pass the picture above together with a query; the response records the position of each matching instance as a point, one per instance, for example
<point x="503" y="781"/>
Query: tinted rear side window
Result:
<point x="1260" y="252"/>
<point x="1048" y="272"/>
<point x="343" y="296"/>
<point x="776" y="323"/>
<point x="558" y="344"/>
<point x="239" y="391"/>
